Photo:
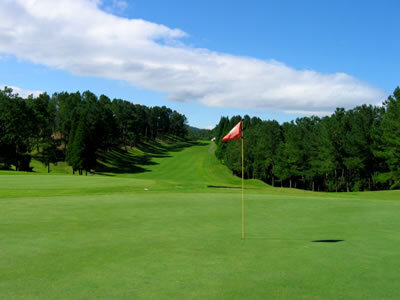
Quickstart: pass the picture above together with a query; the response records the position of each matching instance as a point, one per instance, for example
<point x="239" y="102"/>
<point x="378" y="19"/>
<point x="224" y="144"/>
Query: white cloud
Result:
<point x="79" y="37"/>
<point x="22" y="92"/>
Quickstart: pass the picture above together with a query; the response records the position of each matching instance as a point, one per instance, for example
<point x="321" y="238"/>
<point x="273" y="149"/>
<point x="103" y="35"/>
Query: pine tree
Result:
<point x="391" y="138"/>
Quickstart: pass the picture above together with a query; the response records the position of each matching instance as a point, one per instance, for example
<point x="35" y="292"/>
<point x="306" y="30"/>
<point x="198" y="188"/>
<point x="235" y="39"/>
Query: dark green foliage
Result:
<point x="67" y="115"/>
<point x="178" y="124"/>
<point x="16" y="131"/>
<point x="390" y="138"/>
<point x="264" y="138"/>
<point x="352" y="150"/>
<point x="50" y="153"/>
<point x="199" y="134"/>
<point x="75" y="127"/>
<point x="82" y="153"/>
<point x="290" y="157"/>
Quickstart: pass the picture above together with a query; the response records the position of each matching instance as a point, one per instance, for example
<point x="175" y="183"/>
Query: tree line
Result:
<point x="73" y="127"/>
<point x="199" y="134"/>
<point x="351" y="150"/>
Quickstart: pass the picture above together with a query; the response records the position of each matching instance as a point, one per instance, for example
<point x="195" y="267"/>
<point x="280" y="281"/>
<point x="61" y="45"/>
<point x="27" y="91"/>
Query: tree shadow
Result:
<point x="120" y="161"/>
<point x="224" y="187"/>
<point x="104" y="174"/>
<point x="157" y="148"/>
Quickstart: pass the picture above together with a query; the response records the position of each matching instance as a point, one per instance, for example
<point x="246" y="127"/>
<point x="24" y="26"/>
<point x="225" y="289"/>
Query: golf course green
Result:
<point x="163" y="233"/>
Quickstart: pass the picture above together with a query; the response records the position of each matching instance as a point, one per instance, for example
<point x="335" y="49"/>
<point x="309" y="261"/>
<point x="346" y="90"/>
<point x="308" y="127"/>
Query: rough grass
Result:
<point x="162" y="234"/>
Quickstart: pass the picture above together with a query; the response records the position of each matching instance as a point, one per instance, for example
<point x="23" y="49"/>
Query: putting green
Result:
<point x="163" y="234"/>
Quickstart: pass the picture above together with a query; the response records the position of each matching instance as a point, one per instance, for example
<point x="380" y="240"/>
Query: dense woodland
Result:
<point x="351" y="150"/>
<point x="73" y="127"/>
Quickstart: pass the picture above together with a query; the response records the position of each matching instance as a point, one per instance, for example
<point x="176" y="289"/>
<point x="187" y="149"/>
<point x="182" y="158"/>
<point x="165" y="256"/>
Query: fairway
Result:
<point x="164" y="234"/>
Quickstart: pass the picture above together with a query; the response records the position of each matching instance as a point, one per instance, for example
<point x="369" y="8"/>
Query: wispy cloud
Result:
<point x="80" y="37"/>
<point x="115" y="6"/>
<point x="22" y="92"/>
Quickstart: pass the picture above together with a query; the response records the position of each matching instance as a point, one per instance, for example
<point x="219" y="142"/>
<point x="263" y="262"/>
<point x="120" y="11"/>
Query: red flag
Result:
<point x="235" y="133"/>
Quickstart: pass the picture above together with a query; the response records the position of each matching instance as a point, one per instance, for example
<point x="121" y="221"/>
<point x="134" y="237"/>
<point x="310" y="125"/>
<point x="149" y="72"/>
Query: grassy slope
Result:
<point x="162" y="233"/>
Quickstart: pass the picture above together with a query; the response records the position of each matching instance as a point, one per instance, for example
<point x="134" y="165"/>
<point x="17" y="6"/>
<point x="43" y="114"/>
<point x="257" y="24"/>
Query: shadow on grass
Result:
<point x="157" y="148"/>
<point x="327" y="241"/>
<point x="224" y="187"/>
<point x="250" y="237"/>
<point x="120" y="161"/>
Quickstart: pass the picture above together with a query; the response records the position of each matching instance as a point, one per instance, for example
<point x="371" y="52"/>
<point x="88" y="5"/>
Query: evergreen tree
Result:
<point x="391" y="139"/>
<point x="350" y="150"/>
<point x="16" y="131"/>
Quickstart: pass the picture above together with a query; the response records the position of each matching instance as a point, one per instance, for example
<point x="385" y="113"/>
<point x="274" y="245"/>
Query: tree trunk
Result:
<point x="313" y="185"/>
<point x="290" y="183"/>
<point x="273" y="181"/>
<point x="373" y="181"/>
<point x="336" y="183"/>
<point x="16" y="158"/>
<point x="326" y="181"/>
<point x="343" y="178"/>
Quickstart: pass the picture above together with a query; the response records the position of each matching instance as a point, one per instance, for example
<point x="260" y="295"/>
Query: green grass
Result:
<point x="161" y="233"/>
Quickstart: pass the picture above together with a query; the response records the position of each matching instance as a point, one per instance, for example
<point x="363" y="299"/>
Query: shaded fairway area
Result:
<point x="164" y="234"/>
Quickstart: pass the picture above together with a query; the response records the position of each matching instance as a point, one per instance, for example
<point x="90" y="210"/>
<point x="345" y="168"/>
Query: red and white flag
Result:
<point x="235" y="133"/>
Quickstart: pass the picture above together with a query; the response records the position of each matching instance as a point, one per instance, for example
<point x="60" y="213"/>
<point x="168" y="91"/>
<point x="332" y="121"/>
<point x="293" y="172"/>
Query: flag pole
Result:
<point x="242" y="188"/>
<point x="236" y="134"/>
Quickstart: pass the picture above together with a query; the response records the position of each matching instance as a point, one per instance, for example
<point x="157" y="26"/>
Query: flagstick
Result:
<point x="236" y="134"/>
<point x="242" y="190"/>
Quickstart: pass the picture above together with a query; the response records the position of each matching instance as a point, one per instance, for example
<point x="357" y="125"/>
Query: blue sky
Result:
<point x="273" y="59"/>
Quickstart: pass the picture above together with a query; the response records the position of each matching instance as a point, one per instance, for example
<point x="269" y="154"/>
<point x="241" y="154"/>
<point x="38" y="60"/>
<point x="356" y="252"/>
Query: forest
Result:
<point x="73" y="127"/>
<point x="351" y="150"/>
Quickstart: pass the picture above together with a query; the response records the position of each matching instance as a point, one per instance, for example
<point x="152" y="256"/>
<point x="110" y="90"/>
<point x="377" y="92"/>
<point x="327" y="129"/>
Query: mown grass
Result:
<point x="163" y="234"/>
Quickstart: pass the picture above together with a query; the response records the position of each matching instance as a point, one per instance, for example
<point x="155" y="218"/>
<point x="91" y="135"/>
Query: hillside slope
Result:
<point x="180" y="167"/>
<point x="193" y="167"/>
